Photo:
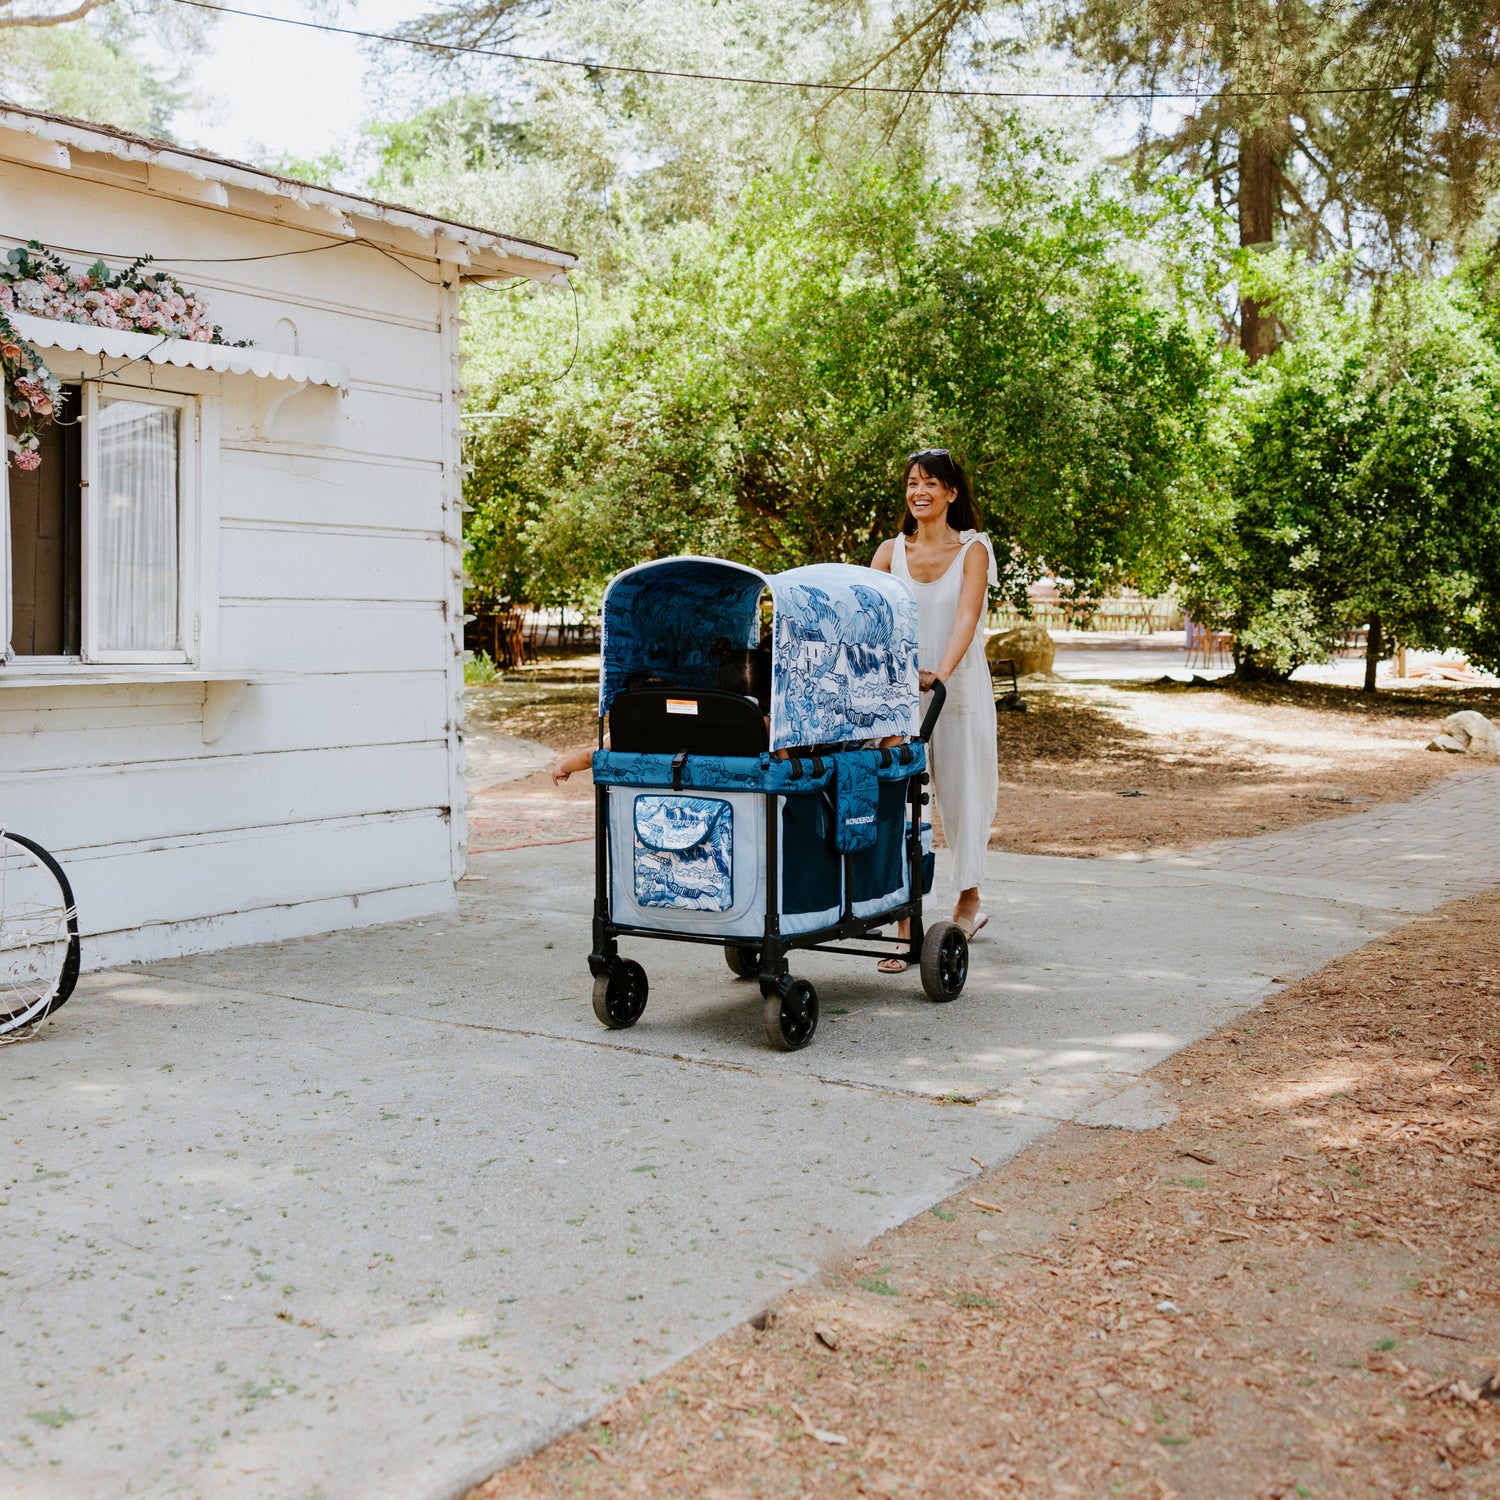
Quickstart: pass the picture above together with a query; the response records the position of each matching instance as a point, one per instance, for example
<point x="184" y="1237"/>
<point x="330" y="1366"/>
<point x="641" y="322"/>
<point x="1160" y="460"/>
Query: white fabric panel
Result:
<point x="137" y="500"/>
<point x="745" y="918"/>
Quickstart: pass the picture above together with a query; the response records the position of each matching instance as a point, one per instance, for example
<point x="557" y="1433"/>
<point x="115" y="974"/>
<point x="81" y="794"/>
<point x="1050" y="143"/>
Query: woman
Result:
<point x="947" y="561"/>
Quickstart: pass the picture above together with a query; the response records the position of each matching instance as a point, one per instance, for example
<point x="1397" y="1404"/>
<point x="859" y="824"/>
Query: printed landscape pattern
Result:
<point x="845" y="656"/>
<point x="684" y="853"/>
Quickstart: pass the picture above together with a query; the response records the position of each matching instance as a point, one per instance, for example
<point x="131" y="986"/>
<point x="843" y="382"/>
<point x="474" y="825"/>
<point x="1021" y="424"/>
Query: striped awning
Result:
<point x="116" y="343"/>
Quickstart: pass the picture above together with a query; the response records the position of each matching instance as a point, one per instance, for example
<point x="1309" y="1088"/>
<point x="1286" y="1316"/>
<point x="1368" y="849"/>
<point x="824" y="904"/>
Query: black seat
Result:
<point x="701" y="721"/>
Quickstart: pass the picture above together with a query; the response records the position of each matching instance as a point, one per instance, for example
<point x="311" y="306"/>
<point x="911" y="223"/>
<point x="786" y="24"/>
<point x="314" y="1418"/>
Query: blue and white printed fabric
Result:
<point x="856" y="800"/>
<point x="684" y="853"/>
<point x="743" y="773"/>
<point x="664" y="617"/>
<point x="845" y="656"/>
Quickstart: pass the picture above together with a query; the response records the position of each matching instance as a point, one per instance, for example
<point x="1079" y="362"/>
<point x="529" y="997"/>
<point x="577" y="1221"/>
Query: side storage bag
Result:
<point x="684" y="852"/>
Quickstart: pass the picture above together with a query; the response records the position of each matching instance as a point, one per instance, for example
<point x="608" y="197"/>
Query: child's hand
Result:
<point x="560" y="772"/>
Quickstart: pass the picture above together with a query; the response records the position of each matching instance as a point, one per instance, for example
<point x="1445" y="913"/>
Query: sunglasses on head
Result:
<point x="922" y="453"/>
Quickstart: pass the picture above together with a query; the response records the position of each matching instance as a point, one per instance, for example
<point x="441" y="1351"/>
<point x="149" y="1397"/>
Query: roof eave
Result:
<point x="48" y="140"/>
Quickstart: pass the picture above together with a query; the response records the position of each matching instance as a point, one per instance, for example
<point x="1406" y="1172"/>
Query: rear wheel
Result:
<point x="945" y="961"/>
<point x="791" y="1017"/>
<point x="744" y="963"/>
<point x="620" y="994"/>
<point x="38" y="934"/>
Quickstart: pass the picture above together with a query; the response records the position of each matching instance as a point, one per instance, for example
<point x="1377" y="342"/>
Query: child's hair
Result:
<point x="745" y="670"/>
<point x="636" y="680"/>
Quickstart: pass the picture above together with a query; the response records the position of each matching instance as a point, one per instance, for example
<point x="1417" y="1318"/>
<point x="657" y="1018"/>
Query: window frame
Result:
<point x="190" y="494"/>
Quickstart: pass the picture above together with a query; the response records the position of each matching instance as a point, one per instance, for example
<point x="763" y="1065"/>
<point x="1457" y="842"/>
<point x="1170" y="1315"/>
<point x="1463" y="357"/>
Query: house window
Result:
<point x="98" y="533"/>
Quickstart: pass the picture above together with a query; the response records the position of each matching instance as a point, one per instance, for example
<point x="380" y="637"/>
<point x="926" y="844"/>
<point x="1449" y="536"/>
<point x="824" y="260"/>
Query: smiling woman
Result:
<point x="948" y="563"/>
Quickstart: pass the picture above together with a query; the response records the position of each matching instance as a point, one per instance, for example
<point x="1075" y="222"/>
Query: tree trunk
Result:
<point x="1374" y="650"/>
<point x="1257" y="176"/>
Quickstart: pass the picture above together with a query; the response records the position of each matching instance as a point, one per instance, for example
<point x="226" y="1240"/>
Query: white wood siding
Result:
<point x="329" y="552"/>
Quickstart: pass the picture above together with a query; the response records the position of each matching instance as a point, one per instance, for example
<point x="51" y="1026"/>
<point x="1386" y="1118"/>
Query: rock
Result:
<point x="1475" y="734"/>
<point x="1448" y="743"/>
<point x="1028" y="645"/>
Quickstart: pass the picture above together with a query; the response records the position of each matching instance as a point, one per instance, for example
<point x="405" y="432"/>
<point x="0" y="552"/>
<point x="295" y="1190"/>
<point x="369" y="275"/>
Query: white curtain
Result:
<point x="136" y="496"/>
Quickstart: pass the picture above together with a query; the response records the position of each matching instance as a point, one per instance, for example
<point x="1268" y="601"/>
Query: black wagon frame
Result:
<point x="790" y="1012"/>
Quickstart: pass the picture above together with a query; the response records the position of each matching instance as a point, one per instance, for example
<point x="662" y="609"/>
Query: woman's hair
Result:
<point x="940" y="464"/>
<point x="745" y="670"/>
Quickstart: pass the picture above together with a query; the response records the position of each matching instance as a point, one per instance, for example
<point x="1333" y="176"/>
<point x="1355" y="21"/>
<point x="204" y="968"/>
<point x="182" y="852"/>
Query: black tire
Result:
<point x="39" y="948"/>
<point x="744" y="963"/>
<point x="791" y="1019"/>
<point x="620" y="995"/>
<point x="945" y="961"/>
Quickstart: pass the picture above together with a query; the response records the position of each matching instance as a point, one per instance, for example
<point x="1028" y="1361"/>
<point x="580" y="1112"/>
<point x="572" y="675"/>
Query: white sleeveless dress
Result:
<point x="962" y="756"/>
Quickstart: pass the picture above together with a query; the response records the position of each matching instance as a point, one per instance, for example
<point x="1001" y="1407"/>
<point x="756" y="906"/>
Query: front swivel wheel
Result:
<point x="791" y="1015"/>
<point x="620" y="994"/>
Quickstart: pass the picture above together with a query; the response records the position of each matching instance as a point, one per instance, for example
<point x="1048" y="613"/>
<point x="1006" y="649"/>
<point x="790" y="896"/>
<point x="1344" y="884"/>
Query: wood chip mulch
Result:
<point x="1290" y="1291"/>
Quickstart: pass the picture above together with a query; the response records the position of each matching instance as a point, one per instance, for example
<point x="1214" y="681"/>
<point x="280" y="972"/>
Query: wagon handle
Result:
<point x="939" y="697"/>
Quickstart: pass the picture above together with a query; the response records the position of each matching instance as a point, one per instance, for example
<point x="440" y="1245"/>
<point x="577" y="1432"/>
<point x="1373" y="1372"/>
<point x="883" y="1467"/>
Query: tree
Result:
<point x="1331" y="125"/>
<point x="91" y="68"/>
<point x="750" y="388"/>
<point x="1365" y="483"/>
<point x="57" y="15"/>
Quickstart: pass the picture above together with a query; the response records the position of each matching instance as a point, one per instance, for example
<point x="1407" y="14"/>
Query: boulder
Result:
<point x="1028" y="645"/>
<point x="1468" y="733"/>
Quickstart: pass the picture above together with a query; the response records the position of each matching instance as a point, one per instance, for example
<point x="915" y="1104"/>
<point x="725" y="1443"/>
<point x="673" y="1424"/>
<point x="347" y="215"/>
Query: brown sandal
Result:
<point x="893" y="966"/>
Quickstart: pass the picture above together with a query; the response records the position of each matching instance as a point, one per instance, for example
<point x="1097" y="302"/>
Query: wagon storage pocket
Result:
<point x="684" y="853"/>
<point x="856" y="802"/>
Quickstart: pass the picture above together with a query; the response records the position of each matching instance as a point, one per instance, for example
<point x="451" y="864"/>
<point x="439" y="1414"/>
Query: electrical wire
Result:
<point x="234" y="260"/>
<point x="784" y="83"/>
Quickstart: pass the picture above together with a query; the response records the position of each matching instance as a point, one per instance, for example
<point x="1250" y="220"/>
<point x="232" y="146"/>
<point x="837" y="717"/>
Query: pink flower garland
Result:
<point x="38" y="283"/>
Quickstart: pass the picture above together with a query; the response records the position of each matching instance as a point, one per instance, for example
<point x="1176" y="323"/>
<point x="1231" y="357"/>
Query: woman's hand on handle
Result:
<point x="925" y="680"/>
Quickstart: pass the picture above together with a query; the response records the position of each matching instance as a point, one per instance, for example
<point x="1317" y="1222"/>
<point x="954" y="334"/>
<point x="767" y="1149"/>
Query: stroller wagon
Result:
<point x="720" y="825"/>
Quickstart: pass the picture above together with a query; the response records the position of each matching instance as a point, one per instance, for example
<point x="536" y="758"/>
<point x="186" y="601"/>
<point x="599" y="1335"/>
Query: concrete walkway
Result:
<point x="435" y="1214"/>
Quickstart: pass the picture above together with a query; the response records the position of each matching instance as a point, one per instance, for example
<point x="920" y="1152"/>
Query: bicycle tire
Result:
<point x="39" y="946"/>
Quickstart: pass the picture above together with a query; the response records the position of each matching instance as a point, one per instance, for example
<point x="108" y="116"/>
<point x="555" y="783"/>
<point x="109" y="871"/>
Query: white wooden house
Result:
<point x="277" y="748"/>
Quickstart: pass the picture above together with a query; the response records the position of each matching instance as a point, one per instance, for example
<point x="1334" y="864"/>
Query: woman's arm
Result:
<point x="882" y="558"/>
<point x="970" y="607"/>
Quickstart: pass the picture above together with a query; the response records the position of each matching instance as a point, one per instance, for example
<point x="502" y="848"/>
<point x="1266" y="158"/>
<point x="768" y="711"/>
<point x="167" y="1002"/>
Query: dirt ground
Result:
<point x="1293" y="1290"/>
<point x="1095" y="769"/>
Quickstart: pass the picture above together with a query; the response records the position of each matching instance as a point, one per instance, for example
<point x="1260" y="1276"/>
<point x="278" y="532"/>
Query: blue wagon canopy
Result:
<point x="844" y="642"/>
<point x="664" y="617"/>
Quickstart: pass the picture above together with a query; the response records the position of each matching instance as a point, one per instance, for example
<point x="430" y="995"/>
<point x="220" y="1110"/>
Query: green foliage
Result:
<point x="479" y="668"/>
<point x="749" y="386"/>
<point x="88" y="70"/>
<point x="1365" y="478"/>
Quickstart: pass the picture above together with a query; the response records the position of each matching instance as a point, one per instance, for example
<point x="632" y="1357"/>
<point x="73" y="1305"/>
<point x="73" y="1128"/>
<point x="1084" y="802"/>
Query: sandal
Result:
<point x="971" y="929"/>
<point x="893" y="966"/>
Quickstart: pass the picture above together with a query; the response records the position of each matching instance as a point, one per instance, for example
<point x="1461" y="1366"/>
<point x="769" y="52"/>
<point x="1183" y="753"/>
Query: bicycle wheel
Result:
<point x="38" y="934"/>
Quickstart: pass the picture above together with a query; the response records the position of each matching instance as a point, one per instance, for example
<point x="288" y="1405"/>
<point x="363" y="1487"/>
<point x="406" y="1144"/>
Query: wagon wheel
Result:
<point x="744" y="963"/>
<point x="791" y="1016"/>
<point x="620" y="994"/>
<point x="945" y="961"/>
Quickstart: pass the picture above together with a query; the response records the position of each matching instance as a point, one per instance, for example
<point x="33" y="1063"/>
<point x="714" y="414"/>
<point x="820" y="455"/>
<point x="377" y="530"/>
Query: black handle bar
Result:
<point x="939" y="697"/>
